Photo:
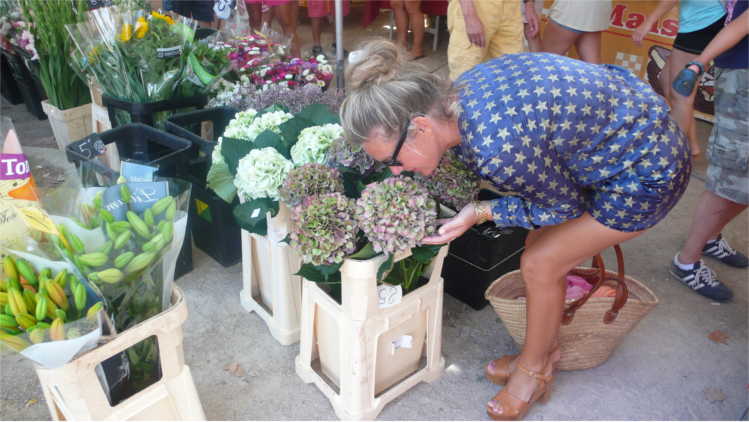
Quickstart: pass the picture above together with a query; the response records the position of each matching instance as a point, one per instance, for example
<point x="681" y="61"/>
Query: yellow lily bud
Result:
<point x="127" y="32"/>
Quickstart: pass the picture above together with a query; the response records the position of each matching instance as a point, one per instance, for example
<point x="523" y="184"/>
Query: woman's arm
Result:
<point x="725" y="40"/>
<point x="663" y="7"/>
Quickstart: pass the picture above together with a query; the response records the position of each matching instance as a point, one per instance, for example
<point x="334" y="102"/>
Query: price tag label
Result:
<point x="405" y="342"/>
<point x="91" y="146"/>
<point x="389" y="295"/>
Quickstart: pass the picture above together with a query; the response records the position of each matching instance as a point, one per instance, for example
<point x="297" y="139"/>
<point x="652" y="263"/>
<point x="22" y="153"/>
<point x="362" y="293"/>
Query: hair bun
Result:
<point x="376" y="62"/>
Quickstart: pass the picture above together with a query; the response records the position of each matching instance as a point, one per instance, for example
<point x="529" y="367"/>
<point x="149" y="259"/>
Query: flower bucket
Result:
<point x="68" y="125"/>
<point x="361" y="354"/>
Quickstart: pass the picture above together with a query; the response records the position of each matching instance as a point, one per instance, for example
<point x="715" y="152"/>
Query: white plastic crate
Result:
<point x="270" y="287"/>
<point x="74" y="392"/>
<point x="362" y="356"/>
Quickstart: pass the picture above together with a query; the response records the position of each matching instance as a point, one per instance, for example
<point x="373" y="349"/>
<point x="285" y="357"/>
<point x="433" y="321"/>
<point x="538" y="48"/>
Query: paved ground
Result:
<point x="666" y="369"/>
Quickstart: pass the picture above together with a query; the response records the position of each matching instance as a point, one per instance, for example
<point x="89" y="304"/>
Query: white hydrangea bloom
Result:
<point x="261" y="173"/>
<point x="313" y="143"/>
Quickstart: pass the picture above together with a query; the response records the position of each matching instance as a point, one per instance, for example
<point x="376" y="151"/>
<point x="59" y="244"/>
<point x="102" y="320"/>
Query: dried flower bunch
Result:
<point x="243" y="95"/>
<point x="323" y="228"/>
<point x="396" y="214"/>
<point x="452" y="183"/>
<point x="343" y="154"/>
<point x="308" y="180"/>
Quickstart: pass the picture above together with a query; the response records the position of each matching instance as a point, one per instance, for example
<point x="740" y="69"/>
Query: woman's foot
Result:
<point x="525" y="387"/>
<point x="416" y="54"/>
<point x="499" y="370"/>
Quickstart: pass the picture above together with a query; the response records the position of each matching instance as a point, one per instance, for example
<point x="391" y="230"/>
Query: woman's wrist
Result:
<point x="483" y="212"/>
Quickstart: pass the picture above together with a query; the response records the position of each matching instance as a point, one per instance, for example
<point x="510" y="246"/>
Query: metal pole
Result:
<point x="339" y="45"/>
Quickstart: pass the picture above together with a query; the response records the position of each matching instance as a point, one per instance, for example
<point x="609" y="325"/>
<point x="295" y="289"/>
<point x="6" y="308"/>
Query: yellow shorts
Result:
<point x="503" y="26"/>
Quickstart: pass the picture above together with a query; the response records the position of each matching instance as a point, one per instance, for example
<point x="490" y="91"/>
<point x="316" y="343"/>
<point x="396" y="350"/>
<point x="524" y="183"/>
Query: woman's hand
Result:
<point x="475" y="30"/>
<point x="532" y="18"/>
<point x="453" y="227"/>
<point x="640" y="34"/>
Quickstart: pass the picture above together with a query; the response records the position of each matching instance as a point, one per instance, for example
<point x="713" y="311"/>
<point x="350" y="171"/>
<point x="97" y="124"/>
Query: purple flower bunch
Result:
<point x="396" y="214"/>
<point x="323" y="228"/>
<point x="452" y="183"/>
<point x="309" y="180"/>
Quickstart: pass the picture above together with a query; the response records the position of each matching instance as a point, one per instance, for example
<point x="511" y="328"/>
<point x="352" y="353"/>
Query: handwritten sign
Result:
<point x="90" y="146"/>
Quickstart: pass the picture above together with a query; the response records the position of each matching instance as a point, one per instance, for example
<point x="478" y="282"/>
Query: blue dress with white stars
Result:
<point x="560" y="137"/>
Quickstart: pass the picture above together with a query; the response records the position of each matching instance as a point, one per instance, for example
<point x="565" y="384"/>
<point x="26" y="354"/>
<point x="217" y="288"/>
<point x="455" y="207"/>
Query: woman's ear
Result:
<point x="423" y="123"/>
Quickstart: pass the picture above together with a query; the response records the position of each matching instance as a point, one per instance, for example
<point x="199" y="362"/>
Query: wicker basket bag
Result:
<point x="592" y="327"/>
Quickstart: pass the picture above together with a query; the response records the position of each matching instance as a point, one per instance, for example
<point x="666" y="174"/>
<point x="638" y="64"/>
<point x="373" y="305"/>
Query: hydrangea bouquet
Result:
<point x="257" y="152"/>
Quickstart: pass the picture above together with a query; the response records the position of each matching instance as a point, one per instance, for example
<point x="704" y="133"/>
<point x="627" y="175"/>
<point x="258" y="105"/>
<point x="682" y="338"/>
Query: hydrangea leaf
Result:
<point x="251" y="215"/>
<point x="425" y="253"/>
<point x="385" y="267"/>
<point x="318" y="114"/>
<point x="367" y="252"/>
<point x="234" y="150"/>
<point x="270" y="139"/>
<point x="220" y="180"/>
<point x="291" y="129"/>
<point x="322" y="274"/>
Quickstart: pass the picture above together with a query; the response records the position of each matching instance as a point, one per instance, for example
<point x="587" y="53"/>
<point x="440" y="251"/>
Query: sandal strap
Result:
<point x="533" y="374"/>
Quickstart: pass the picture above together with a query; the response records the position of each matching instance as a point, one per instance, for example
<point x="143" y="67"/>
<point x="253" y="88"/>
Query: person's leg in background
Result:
<point x="558" y="39"/>
<point x="588" y="46"/>
<point x="727" y="189"/>
<point x="680" y="107"/>
<point x="416" y="22"/>
<point x="401" y="22"/>
<point x="255" y="11"/>
<point x="316" y="12"/>
<point x="288" y="13"/>
<point x="461" y="53"/>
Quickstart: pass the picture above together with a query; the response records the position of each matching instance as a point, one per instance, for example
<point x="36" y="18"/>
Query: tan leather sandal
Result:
<point x="498" y="371"/>
<point x="506" y="407"/>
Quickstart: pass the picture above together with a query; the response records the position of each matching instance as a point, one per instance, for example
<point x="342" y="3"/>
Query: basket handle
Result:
<point x="598" y="278"/>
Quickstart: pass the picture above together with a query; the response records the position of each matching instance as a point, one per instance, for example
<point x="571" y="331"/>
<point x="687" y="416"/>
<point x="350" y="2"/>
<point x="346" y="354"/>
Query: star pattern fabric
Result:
<point x="560" y="136"/>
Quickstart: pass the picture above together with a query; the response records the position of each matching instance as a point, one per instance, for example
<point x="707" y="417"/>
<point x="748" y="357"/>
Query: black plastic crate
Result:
<point x="145" y="145"/>
<point x="8" y="84"/>
<point x="145" y="112"/>
<point x="480" y="256"/>
<point x="214" y="229"/>
<point x="193" y="124"/>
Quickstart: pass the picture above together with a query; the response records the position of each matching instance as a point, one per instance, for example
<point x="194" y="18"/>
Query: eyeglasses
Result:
<point x="394" y="161"/>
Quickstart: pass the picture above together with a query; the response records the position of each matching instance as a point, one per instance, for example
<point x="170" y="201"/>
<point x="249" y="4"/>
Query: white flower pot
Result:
<point x="355" y="353"/>
<point x="68" y="125"/>
<point x="270" y="287"/>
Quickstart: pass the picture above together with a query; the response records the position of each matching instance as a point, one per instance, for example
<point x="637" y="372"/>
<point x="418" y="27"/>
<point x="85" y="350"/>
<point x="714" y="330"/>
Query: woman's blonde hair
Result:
<point x="384" y="91"/>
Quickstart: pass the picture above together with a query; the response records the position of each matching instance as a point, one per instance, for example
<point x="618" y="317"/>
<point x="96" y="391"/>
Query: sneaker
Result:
<point x="333" y="47"/>
<point x="317" y="50"/>
<point x="702" y="280"/>
<point x="720" y="249"/>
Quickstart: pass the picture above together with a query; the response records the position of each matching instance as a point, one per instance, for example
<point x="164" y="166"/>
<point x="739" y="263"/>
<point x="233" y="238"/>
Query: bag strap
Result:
<point x="597" y="279"/>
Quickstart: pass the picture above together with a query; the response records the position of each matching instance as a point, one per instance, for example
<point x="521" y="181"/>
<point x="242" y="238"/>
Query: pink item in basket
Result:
<point x="577" y="287"/>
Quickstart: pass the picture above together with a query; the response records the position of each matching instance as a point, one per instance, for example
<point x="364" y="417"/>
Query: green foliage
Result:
<point x="48" y="19"/>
